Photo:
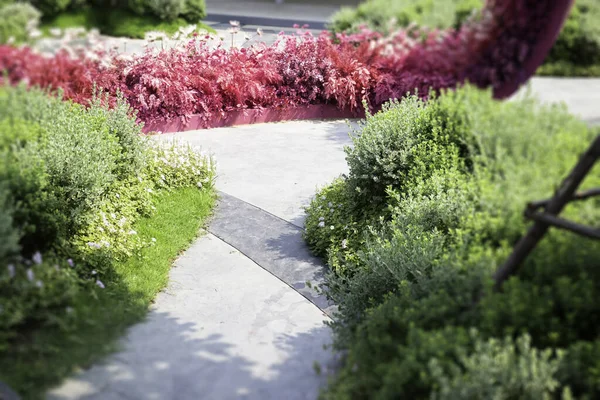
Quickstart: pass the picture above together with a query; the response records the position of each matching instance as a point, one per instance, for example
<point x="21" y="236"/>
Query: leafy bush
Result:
<point x="578" y="45"/>
<point x="166" y="10"/>
<point x="385" y="16"/>
<point x="15" y="22"/>
<point x="9" y="237"/>
<point x="50" y="7"/>
<point x="75" y="181"/>
<point x="449" y="220"/>
<point x="194" y="10"/>
<point x="509" y="369"/>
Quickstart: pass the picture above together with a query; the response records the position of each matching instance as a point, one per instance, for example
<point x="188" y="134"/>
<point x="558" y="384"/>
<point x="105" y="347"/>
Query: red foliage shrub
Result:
<point x="489" y="50"/>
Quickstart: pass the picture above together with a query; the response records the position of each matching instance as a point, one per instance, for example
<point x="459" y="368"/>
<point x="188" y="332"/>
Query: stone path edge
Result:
<point x="274" y="244"/>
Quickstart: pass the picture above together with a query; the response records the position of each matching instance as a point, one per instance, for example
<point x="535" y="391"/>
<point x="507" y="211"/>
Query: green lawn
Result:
<point x="117" y="22"/>
<point x="44" y="357"/>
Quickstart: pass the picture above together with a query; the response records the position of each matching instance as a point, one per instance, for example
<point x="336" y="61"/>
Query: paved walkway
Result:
<point x="237" y="320"/>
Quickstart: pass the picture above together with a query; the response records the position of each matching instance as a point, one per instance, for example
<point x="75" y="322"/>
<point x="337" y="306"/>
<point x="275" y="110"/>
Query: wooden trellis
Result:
<point x="549" y="217"/>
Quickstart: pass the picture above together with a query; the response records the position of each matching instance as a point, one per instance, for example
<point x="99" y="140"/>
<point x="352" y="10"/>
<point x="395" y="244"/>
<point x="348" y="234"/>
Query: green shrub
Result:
<point x="166" y="9"/>
<point x="578" y="44"/>
<point x="194" y="10"/>
<point x="75" y="183"/>
<point x="15" y="20"/>
<point x="50" y="7"/>
<point x="385" y="15"/>
<point x="9" y="236"/>
<point x="452" y="207"/>
<point x="508" y="369"/>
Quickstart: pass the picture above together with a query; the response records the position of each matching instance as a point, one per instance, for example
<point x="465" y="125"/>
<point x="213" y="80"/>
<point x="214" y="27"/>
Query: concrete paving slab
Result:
<point x="274" y="244"/>
<point x="224" y="329"/>
<point x="276" y="167"/>
<point x="581" y="95"/>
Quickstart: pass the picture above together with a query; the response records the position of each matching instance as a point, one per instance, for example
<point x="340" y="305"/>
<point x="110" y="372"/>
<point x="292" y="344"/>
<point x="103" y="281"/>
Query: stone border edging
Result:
<point x="273" y="244"/>
<point x="253" y="116"/>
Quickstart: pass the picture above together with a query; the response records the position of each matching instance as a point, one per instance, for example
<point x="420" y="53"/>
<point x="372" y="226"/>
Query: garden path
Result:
<point x="237" y="320"/>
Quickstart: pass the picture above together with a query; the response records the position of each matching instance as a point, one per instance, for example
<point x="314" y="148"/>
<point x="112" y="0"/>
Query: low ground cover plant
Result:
<point x="432" y="205"/>
<point x="84" y="198"/>
<point x="575" y="53"/>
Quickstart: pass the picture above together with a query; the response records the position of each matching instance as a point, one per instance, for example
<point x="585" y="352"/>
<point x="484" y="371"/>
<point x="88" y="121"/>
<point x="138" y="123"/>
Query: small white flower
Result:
<point x="37" y="258"/>
<point x="30" y="275"/>
<point x="117" y="195"/>
<point x="39" y="284"/>
<point x="259" y="31"/>
<point x="332" y="227"/>
<point x="100" y="284"/>
<point x="153" y="240"/>
<point x="321" y="224"/>
<point x="11" y="40"/>
<point x="331" y="210"/>
<point x="94" y="245"/>
<point x="101" y="229"/>
<point x="69" y="310"/>
<point x="199" y="184"/>
<point x="56" y="267"/>
<point x="56" y="32"/>
<point x="149" y="190"/>
<point x="94" y="272"/>
<point x="132" y="232"/>
<point x="330" y="204"/>
<point x="234" y="24"/>
<point x="70" y="262"/>
<point x="321" y="219"/>
<point x="35" y="33"/>
<point x="113" y="215"/>
<point x="11" y="270"/>
<point x="344" y="243"/>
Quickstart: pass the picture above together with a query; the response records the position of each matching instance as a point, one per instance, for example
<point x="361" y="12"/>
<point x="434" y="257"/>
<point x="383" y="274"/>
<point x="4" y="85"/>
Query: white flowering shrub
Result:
<point x="18" y="23"/>
<point x="333" y="229"/>
<point x="109" y="232"/>
<point x="73" y="183"/>
<point x="174" y="165"/>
